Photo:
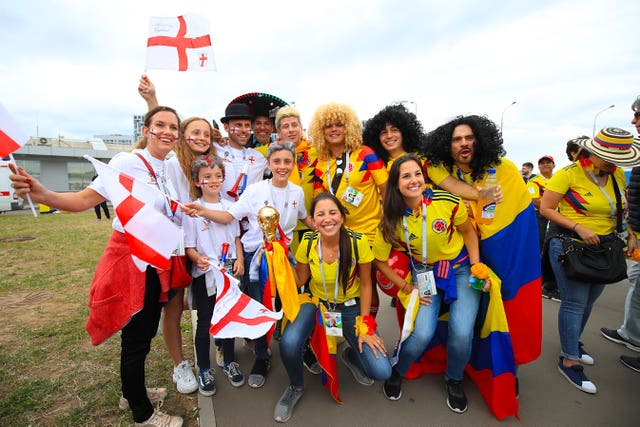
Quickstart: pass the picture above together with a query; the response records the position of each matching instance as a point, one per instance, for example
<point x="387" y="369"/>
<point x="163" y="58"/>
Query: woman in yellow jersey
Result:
<point x="580" y="201"/>
<point x="337" y="263"/>
<point x="433" y="228"/>
<point x="350" y="171"/>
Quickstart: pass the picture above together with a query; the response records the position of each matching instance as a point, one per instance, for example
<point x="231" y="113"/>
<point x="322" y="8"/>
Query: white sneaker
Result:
<point x="183" y="377"/>
<point x="160" y="419"/>
<point x="155" y="395"/>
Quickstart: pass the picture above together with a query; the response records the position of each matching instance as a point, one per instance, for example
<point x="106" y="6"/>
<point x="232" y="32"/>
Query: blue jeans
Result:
<point x="462" y="317"/>
<point x="575" y="307"/>
<point x="296" y="334"/>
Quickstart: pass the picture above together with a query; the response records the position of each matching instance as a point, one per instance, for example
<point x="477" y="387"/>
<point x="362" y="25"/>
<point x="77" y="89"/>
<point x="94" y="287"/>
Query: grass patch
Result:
<point x="50" y="374"/>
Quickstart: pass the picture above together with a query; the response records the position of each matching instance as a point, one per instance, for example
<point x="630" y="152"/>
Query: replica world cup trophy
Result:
<point x="268" y="220"/>
<point x="279" y="274"/>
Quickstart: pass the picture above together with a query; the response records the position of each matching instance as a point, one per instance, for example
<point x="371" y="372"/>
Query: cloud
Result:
<point x="73" y="66"/>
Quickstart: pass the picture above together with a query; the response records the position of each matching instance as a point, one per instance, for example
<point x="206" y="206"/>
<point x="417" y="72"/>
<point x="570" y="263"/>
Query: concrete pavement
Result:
<point x="546" y="398"/>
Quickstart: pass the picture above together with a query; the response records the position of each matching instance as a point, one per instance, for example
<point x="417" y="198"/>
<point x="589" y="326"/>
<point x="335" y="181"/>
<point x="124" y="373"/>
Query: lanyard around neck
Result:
<point x="346" y="172"/>
<point x="405" y="228"/>
<point x="324" y="283"/>
<point x="160" y="181"/>
<point x="612" y="209"/>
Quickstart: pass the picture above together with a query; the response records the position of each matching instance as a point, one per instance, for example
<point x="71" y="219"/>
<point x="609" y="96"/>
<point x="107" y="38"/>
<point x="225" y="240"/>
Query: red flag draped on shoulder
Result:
<point x="132" y="201"/>
<point x="236" y="314"/>
<point x="181" y="44"/>
<point x="11" y="136"/>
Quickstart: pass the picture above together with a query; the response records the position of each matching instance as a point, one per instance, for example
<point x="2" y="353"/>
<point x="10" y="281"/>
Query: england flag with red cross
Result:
<point x="151" y="235"/>
<point x="181" y="44"/>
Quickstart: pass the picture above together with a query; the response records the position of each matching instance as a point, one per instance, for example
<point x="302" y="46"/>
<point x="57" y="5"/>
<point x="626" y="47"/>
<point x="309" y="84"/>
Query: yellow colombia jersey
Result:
<point x="315" y="284"/>
<point x="582" y="200"/>
<point x="536" y="186"/>
<point x="514" y="192"/>
<point x="366" y="173"/>
<point x="444" y="242"/>
<point x="305" y="166"/>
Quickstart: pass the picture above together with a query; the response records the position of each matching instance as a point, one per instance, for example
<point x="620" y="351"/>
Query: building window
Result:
<point x="79" y="175"/>
<point x="32" y="167"/>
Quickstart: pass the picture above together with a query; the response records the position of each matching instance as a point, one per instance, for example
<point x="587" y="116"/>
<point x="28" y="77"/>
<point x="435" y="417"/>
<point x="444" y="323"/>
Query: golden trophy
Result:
<point x="268" y="219"/>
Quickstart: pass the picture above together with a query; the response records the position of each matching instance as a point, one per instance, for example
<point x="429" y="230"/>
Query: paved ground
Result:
<point x="546" y="398"/>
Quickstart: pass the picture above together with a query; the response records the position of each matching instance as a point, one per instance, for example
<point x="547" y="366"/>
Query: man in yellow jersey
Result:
<point x="536" y="186"/>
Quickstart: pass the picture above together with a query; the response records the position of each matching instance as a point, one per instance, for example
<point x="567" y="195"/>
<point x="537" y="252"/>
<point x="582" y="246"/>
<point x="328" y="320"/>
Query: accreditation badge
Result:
<point x="352" y="196"/>
<point x="333" y="323"/>
<point x="422" y="277"/>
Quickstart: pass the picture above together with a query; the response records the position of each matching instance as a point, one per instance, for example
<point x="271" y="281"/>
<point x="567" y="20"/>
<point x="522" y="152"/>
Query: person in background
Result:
<point x="536" y="186"/>
<point x="118" y="282"/>
<point x="527" y="171"/>
<point x="596" y="178"/>
<point x="102" y="205"/>
<point x="628" y="334"/>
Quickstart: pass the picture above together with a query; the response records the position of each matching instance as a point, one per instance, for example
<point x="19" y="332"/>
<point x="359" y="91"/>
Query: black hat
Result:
<point x="236" y="111"/>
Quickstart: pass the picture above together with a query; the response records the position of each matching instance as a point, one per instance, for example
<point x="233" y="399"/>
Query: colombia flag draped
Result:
<point x="509" y="246"/>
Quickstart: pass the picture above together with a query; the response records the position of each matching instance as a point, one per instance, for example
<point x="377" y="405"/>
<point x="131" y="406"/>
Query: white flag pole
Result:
<point x="33" y="209"/>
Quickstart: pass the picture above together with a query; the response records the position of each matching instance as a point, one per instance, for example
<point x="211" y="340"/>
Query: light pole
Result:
<point x="596" y="117"/>
<point x="415" y="105"/>
<point x="502" y="117"/>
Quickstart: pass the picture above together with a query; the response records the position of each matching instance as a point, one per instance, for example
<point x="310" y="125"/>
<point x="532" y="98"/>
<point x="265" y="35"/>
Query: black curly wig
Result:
<point x="398" y="116"/>
<point x="487" y="147"/>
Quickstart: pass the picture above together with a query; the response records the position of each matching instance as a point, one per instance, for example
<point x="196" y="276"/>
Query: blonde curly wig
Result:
<point x="331" y="113"/>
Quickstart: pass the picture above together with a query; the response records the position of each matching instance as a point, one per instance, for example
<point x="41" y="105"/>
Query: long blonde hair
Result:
<point x="330" y="113"/>
<point x="185" y="154"/>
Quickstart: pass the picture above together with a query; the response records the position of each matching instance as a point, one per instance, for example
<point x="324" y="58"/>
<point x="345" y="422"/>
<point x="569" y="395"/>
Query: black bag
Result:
<point x="602" y="264"/>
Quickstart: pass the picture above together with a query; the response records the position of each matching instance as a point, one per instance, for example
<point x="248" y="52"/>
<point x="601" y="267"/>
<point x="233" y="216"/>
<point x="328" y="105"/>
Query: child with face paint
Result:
<point x="211" y="245"/>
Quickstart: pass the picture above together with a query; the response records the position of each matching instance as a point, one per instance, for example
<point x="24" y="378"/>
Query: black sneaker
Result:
<point x="392" y="387"/>
<point x="552" y="294"/>
<point x="456" y="399"/>
<point x="631" y="362"/>
<point x="259" y="372"/>
<point x="613" y="335"/>
<point x="206" y="382"/>
<point x="310" y="361"/>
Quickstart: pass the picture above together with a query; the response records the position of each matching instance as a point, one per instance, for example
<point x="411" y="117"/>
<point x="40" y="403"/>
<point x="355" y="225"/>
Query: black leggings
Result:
<point x="205" y="305"/>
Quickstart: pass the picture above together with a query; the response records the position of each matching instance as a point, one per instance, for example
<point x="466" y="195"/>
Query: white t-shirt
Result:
<point x="132" y="165"/>
<point x="207" y="238"/>
<point x="288" y="201"/>
<point x="234" y="161"/>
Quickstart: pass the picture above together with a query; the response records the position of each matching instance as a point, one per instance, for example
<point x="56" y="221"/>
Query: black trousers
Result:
<point x="135" y="346"/>
<point x="104" y="207"/>
<point x="205" y="305"/>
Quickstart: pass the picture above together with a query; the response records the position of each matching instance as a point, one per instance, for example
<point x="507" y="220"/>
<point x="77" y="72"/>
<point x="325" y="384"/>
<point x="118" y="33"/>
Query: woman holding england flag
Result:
<point x="122" y="297"/>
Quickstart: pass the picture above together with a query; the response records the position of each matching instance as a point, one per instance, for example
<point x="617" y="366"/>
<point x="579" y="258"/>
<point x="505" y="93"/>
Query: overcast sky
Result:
<point x="72" y="67"/>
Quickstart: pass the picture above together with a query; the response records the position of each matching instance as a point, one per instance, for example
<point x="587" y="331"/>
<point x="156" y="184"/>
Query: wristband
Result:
<point x="365" y="325"/>
<point x="574" y="227"/>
